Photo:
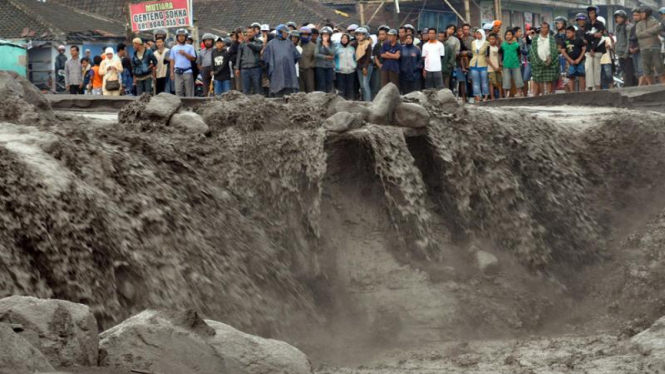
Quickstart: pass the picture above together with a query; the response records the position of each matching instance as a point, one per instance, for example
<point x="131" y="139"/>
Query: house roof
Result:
<point x="226" y="15"/>
<point x="36" y="20"/>
<point x="272" y="12"/>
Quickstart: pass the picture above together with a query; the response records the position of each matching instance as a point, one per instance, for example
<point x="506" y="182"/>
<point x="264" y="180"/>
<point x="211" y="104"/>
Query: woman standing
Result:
<point x="478" y="64"/>
<point x="111" y="70"/>
<point x="345" y="66"/>
<point x="325" y="67"/>
<point x="363" y="48"/>
<point x="544" y="60"/>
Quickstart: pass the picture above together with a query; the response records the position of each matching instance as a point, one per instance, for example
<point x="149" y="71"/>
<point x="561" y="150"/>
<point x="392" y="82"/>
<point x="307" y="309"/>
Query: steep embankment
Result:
<point x="278" y="227"/>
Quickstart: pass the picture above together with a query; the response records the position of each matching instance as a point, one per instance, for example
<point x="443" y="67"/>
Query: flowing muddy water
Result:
<point x="451" y="245"/>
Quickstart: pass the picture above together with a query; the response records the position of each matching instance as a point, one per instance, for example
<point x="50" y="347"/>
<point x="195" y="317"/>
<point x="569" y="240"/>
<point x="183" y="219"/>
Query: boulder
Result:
<point x="411" y="115"/>
<point x="65" y="332"/>
<point x="352" y="107"/>
<point x="447" y="99"/>
<point x="343" y="121"/>
<point x="164" y="342"/>
<point x="18" y="356"/>
<point x="651" y="339"/>
<point x="189" y="122"/>
<point x="162" y="107"/>
<point x="487" y="262"/>
<point x="383" y="107"/>
<point x="418" y="96"/>
<point x="248" y="354"/>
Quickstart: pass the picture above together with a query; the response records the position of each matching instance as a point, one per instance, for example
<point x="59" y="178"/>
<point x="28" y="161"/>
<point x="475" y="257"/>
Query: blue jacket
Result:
<point x="141" y="67"/>
<point x="411" y="63"/>
<point x="345" y="59"/>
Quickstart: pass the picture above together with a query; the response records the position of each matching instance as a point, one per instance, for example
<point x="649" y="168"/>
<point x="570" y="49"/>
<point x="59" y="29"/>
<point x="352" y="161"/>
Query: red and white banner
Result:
<point x="161" y="15"/>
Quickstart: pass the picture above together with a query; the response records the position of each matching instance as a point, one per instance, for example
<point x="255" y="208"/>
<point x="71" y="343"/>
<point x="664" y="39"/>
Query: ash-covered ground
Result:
<point x="493" y="240"/>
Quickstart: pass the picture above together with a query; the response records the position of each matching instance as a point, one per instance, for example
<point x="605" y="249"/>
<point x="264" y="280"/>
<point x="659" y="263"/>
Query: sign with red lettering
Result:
<point x="161" y="15"/>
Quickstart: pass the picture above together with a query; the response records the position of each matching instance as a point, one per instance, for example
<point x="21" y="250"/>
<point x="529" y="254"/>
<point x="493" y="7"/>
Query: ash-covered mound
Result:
<point x="269" y="222"/>
<point x="21" y="102"/>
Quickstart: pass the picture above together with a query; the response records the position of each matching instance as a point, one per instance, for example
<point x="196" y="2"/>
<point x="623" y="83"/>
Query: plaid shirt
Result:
<point x="544" y="73"/>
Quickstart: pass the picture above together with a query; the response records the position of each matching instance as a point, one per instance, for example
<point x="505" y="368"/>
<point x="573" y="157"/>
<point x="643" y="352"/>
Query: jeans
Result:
<point x="481" y="83"/>
<point x="222" y="87"/>
<point x="251" y="80"/>
<point x="128" y="82"/>
<point x="346" y="83"/>
<point x="144" y="86"/>
<point x="324" y="79"/>
<point x="433" y="79"/>
<point x="637" y="64"/>
<point x="365" y="86"/>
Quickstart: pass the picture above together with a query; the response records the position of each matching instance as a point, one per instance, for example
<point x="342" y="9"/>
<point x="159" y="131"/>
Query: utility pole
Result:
<point x="467" y="11"/>
<point x="362" y="13"/>
<point x="497" y="9"/>
<point x="397" y="13"/>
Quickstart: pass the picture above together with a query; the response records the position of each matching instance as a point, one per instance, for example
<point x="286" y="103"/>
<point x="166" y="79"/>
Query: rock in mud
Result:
<point x="189" y="122"/>
<point x="447" y="99"/>
<point x="164" y="342"/>
<point x="18" y="356"/>
<point x="65" y="332"/>
<point x="249" y="354"/>
<point x="162" y="107"/>
<point x="411" y="115"/>
<point x="418" y="96"/>
<point x="383" y="107"/>
<point x="651" y="339"/>
<point x="352" y="107"/>
<point x="12" y="84"/>
<point x="487" y="262"/>
<point x="343" y="121"/>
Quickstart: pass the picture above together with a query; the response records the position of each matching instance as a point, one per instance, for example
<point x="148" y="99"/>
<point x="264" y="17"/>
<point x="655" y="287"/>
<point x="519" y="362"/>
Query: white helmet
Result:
<point x="602" y="20"/>
<point x="362" y="30"/>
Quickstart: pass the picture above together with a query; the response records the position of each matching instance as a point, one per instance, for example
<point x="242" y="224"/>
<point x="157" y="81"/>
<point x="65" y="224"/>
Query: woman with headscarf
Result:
<point x="544" y="58"/>
<point x="478" y="65"/>
<point x="363" y="46"/>
<point x="345" y="67"/>
<point x="111" y="70"/>
<point x="281" y="56"/>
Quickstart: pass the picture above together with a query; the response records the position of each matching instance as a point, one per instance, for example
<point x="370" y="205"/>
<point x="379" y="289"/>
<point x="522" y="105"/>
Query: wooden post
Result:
<point x="362" y="13"/>
<point x="467" y="11"/>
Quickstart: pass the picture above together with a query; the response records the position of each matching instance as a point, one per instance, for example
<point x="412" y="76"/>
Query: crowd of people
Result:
<point x="481" y="64"/>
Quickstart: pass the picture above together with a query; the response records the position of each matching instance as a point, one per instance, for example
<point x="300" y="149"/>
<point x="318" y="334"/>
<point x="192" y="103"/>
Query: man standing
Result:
<point x="220" y="66"/>
<point x="247" y="65"/>
<point x="647" y="31"/>
<point x="161" y="70"/>
<point x="144" y="63"/>
<point x="204" y="62"/>
<point x="281" y="56"/>
<point x="433" y="51"/>
<point x="448" y="59"/>
<point x="382" y="35"/>
<point x="74" y="73"/>
<point x="622" y="47"/>
<point x="307" y="60"/>
<point x="60" y="62"/>
<point x="127" y="77"/>
<point x="593" y="33"/>
<point x="390" y="53"/>
<point x="182" y="55"/>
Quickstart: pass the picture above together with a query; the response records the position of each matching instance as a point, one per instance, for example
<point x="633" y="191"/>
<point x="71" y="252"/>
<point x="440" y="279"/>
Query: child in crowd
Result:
<point x="87" y="75"/>
<point x="97" y="80"/>
<point x="494" y="67"/>
<point x="574" y="50"/>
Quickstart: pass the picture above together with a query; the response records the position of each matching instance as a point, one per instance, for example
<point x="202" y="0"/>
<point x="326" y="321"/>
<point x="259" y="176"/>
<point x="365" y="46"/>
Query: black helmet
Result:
<point x="620" y="13"/>
<point x="645" y="9"/>
<point x="594" y="8"/>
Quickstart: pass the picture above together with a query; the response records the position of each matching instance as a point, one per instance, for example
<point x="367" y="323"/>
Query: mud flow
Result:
<point x="493" y="240"/>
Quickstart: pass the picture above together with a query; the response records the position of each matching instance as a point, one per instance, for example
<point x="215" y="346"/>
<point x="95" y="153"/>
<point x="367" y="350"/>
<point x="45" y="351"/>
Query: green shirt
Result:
<point x="511" y="57"/>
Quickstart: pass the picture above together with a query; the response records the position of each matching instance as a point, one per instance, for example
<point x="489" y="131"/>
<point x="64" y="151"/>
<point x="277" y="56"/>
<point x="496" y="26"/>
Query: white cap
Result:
<point x="61" y="47"/>
<point x="109" y="50"/>
<point x="87" y="50"/>
<point x="488" y="26"/>
<point x="311" y="26"/>
<point x="601" y="19"/>
<point x="265" y="27"/>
